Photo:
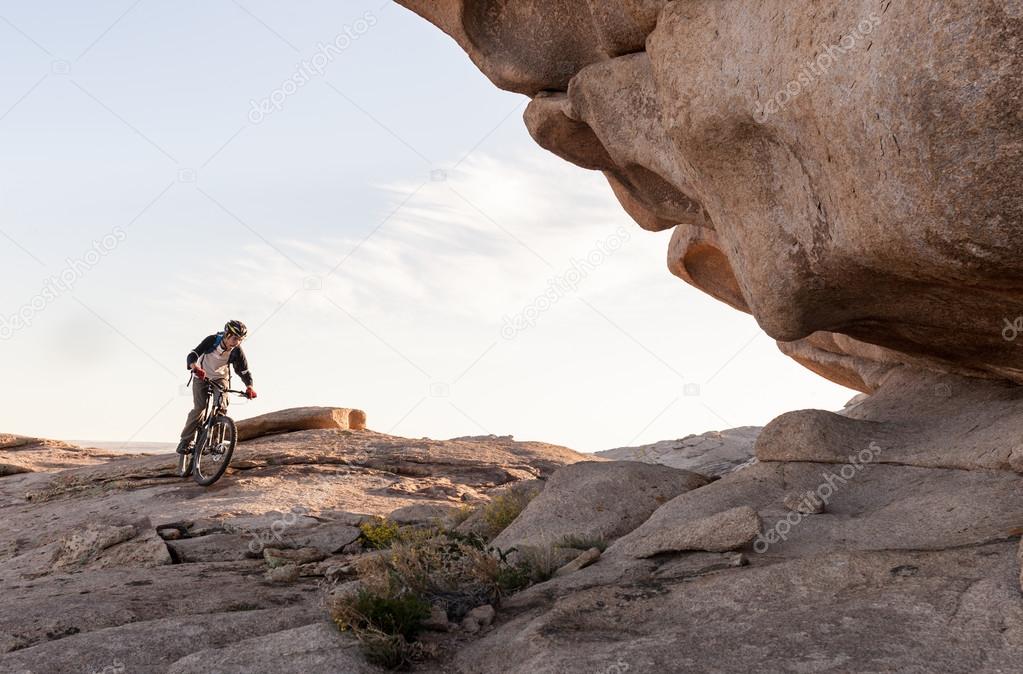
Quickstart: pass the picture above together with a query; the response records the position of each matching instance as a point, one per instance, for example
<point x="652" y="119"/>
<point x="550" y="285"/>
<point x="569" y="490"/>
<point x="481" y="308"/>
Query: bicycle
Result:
<point x="215" y="439"/>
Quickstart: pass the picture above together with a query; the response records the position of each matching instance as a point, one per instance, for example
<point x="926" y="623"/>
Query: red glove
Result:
<point x="199" y="372"/>
<point x="250" y="393"/>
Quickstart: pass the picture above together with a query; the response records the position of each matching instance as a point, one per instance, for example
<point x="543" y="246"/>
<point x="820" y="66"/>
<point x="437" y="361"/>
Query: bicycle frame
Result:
<point x="212" y="440"/>
<point x="216" y="401"/>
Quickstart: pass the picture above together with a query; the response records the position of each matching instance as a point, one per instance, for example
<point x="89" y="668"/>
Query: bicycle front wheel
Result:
<point x="213" y="455"/>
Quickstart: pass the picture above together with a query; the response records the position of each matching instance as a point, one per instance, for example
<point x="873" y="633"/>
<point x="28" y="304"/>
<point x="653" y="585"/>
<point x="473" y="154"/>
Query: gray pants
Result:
<point x="199" y="400"/>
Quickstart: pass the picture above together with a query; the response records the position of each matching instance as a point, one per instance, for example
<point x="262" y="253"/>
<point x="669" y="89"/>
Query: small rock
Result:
<point x="470" y="625"/>
<point x="806" y="502"/>
<point x="904" y="570"/>
<point x="288" y="573"/>
<point x="169" y="534"/>
<point x="328" y="538"/>
<point x="343" y="591"/>
<point x="483" y="615"/>
<point x="583" y="560"/>
<point x="438" y="620"/>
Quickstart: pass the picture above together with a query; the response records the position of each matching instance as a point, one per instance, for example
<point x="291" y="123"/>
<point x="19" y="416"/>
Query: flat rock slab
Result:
<point x="35" y="611"/>
<point x="951" y="611"/>
<point x="301" y="419"/>
<point x="151" y="645"/>
<point x="22" y="454"/>
<point x="214" y="548"/>
<point x="327" y="538"/>
<point x="318" y="648"/>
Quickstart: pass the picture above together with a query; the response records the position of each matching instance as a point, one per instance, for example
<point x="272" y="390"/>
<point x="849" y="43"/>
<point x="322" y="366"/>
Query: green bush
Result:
<point x="379" y="533"/>
<point x="463" y="513"/>
<point x="424" y="567"/>
<point x="503" y="509"/>
<point x="386" y="626"/>
<point x="402" y="615"/>
<point x="390" y="651"/>
<point x="455" y="572"/>
<point x="539" y="562"/>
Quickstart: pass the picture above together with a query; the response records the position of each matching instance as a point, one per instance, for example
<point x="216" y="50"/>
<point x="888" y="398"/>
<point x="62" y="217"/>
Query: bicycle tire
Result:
<point x="212" y="443"/>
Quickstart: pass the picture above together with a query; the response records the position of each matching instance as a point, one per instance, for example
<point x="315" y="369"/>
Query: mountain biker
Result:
<point x="212" y="360"/>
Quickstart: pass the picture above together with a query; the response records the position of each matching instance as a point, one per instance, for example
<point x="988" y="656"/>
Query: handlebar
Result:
<point x="212" y="382"/>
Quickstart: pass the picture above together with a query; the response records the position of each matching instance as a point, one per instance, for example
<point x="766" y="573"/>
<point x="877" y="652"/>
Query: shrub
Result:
<point x="455" y="572"/>
<point x="460" y="515"/>
<point x="540" y="561"/>
<point x="504" y="508"/>
<point x="385" y="625"/>
<point x="379" y="533"/>
<point x="397" y="615"/>
<point x="391" y="651"/>
<point x="424" y="567"/>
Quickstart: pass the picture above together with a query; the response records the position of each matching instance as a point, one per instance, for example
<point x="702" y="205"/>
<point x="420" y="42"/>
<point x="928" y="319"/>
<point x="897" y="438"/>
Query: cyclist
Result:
<point x="212" y="359"/>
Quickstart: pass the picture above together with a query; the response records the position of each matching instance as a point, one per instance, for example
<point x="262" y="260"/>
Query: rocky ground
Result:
<point x="111" y="563"/>
<point x="881" y="538"/>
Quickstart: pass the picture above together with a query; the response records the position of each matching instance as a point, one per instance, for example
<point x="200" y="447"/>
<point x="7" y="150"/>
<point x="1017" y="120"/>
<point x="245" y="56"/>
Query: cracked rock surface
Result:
<point x="111" y="560"/>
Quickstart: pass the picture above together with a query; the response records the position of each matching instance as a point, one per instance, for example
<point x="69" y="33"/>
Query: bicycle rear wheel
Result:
<point x="214" y="449"/>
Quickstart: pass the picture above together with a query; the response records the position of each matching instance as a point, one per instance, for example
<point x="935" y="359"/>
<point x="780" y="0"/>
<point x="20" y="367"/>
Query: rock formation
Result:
<point x="847" y="172"/>
<point x="301" y="419"/>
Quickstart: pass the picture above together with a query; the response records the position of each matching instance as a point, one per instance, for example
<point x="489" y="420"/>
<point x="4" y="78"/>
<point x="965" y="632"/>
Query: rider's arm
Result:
<point x="203" y="347"/>
<point x="241" y="365"/>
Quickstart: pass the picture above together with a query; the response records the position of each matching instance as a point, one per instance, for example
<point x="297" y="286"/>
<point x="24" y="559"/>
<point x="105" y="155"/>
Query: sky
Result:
<point x="340" y="177"/>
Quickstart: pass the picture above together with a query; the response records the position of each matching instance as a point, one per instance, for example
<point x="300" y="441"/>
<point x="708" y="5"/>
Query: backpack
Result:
<point x="216" y="343"/>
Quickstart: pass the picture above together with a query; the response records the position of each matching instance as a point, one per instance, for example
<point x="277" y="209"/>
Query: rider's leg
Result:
<point x="195" y="417"/>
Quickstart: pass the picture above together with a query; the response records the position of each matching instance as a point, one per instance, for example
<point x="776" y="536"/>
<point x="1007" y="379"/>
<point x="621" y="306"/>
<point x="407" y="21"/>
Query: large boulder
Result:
<point x="591" y="501"/>
<point x="301" y="419"/>
<point x="846" y="171"/>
